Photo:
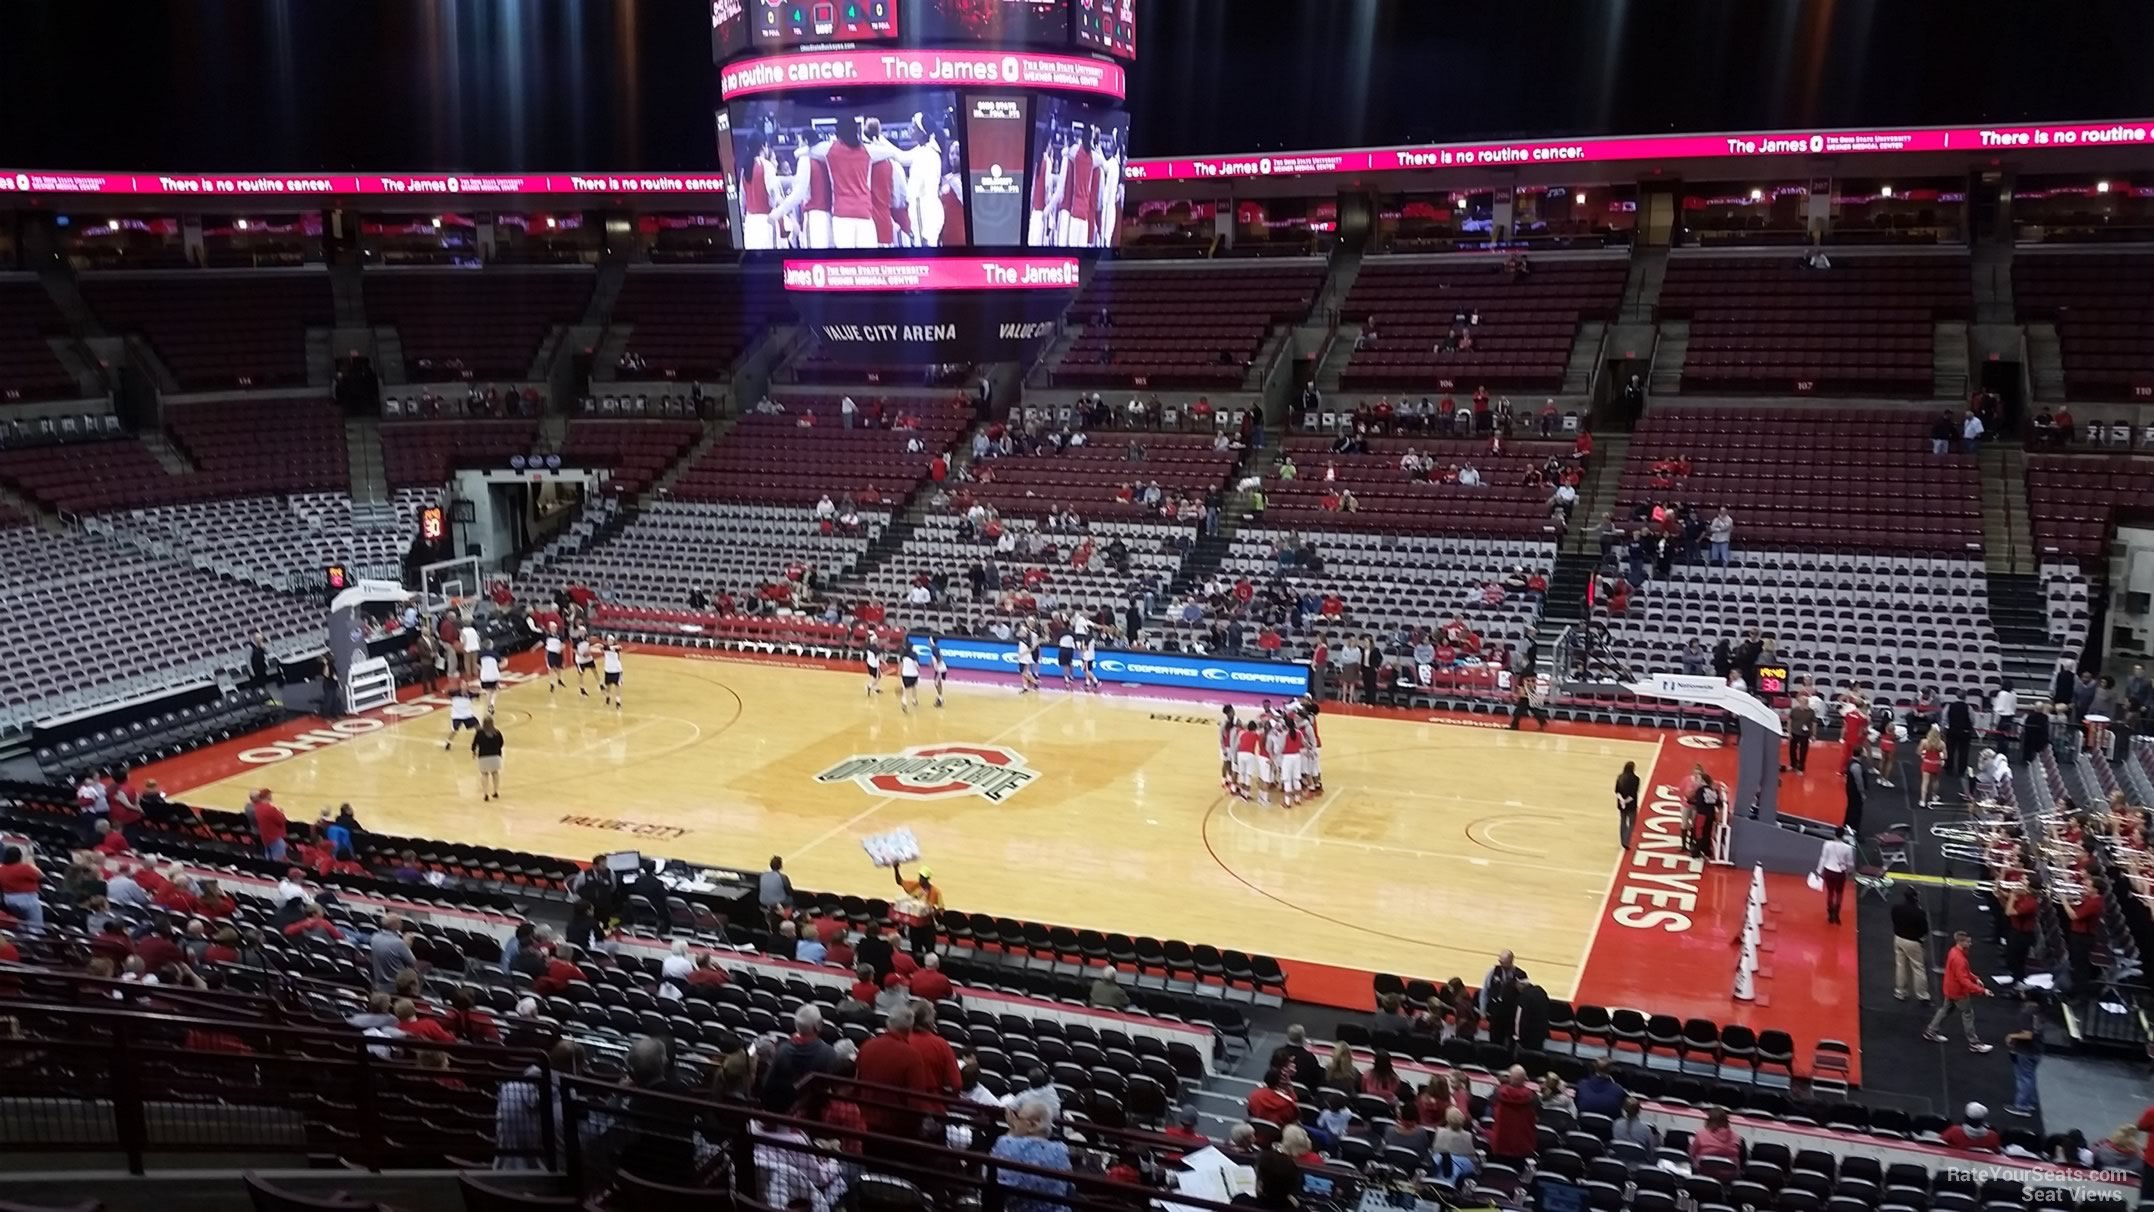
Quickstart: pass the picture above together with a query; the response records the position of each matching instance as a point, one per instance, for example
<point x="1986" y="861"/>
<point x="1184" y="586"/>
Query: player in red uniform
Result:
<point x="758" y="195"/>
<point x="1080" y="193"/>
<point x="851" y="169"/>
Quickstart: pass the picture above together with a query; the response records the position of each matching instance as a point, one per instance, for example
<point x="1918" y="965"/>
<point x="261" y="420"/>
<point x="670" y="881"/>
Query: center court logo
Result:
<point x="937" y="772"/>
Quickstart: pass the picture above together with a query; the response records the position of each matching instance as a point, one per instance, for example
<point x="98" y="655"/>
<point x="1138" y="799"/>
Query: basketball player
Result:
<point x="851" y="168"/>
<point x="1027" y="679"/>
<point x="1291" y="748"/>
<point x="463" y="712"/>
<point x="808" y="195"/>
<point x="1069" y="657"/>
<point x="1088" y="653"/>
<point x="610" y="662"/>
<point x="874" y="661"/>
<point x="1251" y="777"/>
<point x="556" y="657"/>
<point x="586" y="660"/>
<point x="1110" y="191"/>
<point x="908" y="681"/>
<point x="467" y="644"/>
<point x="1275" y="731"/>
<point x="1046" y="190"/>
<point x="923" y="176"/>
<point x="940" y="666"/>
<point x="1229" y="734"/>
<point x="490" y="678"/>
<point x="1080" y="188"/>
<point x="1312" y="746"/>
<point x="758" y="191"/>
<point x="886" y="185"/>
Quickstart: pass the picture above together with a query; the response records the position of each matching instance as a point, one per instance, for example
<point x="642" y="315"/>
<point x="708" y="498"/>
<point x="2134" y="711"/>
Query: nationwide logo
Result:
<point x="937" y="772"/>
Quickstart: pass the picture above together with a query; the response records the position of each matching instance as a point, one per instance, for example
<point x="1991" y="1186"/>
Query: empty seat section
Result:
<point x="2103" y="307"/>
<point x="1182" y="327"/>
<point x="695" y="325"/>
<point x="1770" y="325"/>
<point x="475" y="324"/>
<point x="28" y="368"/>
<point x="240" y="330"/>
<point x="1522" y="340"/>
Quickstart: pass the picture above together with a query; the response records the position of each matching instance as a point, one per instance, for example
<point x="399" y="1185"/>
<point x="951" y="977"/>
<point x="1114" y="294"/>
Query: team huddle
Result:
<point x="1277" y="748"/>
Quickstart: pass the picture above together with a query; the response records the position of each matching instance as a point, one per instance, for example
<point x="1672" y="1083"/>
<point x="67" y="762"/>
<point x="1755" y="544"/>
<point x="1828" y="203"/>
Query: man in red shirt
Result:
<point x="559" y="973"/>
<point x="109" y="840"/>
<point x="1962" y="986"/>
<point x="1273" y="1102"/>
<point x="158" y="950"/>
<point x="269" y="825"/>
<point x="890" y="1059"/>
<point x="929" y="984"/>
<point x="1513" y="1135"/>
<point x="935" y="1051"/>
<point x="707" y="974"/>
<point x="411" y="1026"/>
<point x="19" y="882"/>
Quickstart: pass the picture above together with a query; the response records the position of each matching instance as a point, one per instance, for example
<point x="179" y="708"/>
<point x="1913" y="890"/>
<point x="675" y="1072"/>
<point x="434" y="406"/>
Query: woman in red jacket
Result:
<point x="1513" y="1136"/>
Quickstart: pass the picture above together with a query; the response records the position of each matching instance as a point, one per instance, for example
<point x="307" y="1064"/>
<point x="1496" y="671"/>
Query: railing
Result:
<point x="658" y="1141"/>
<point x="138" y="1083"/>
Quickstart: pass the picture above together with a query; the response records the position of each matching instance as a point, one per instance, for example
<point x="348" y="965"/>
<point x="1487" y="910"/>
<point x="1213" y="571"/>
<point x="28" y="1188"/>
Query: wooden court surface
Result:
<point x="1436" y="844"/>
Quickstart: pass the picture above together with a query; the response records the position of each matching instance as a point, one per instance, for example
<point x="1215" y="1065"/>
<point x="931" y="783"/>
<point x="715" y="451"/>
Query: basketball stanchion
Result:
<point x="1749" y="940"/>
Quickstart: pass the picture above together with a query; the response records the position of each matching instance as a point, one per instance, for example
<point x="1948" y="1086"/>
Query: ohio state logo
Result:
<point x="937" y="772"/>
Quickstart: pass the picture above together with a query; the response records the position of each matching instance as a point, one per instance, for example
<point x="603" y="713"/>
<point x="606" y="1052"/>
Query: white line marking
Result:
<point x="1381" y="848"/>
<point x="1593" y="935"/>
<point x="1329" y="800"/>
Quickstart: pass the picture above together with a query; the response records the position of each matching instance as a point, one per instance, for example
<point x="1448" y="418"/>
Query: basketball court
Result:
<point x="1436" y="844"/>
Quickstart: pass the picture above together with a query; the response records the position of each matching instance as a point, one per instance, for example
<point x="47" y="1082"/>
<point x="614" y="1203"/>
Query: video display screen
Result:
<point x="824" y="174"/>
<point x="776" y="24"/>
<point x="1106" y="25"/>
<point x="729" y="29"/>
<point x="996" y="126"/>
<point x="1075" y="197"/>
<point x="1009" y="22"/>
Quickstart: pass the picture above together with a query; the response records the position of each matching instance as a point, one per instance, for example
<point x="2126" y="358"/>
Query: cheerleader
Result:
<point x="586" y="660"/>
<point x="556" y="657"/>
<point x="1088" y="655"/>
<point x="1069" y="657"/>
<point x="940" y="667"/>
<point x="610" y="662"/>
<point x="874" y="661"/>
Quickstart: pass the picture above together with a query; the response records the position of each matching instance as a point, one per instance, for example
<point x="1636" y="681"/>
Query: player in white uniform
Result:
<point x="908" y="681"/>
<point x="874" y="661"/>
<point x="1088" y="656"/>
<point x="610" y="662"/>
<point x="586" y="661"/>
<point x="1110" y="192"/>
<point x="940" y="666"/>
<point x="556" y="656"/>
<point x="490" y="678"/>
<point x="463" y="712"/>
<point x="1028" y="680"/>
<point x="1275" y="752"/>
<point x="467" y="643"/>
